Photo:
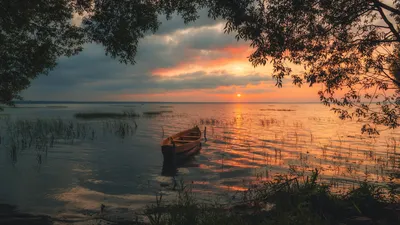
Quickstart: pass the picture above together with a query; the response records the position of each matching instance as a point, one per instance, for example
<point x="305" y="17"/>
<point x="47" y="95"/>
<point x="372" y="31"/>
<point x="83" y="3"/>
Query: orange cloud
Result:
<point x="232" y="59"/>
<point x="264" y="92"/>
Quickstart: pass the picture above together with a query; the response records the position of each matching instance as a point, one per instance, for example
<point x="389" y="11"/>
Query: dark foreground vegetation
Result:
<point x="286" y="201"/>
<point x="283" y="201"/>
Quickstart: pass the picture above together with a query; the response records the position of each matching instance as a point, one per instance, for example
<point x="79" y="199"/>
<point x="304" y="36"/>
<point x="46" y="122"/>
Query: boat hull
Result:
<point x="172" y="155"/>
<point x="176" y="153"/>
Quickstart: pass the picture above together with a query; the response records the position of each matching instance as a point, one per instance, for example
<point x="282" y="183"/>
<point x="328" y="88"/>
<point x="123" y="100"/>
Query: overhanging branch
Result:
<point x="392" y="28"/>
<point x="387" y="7"/>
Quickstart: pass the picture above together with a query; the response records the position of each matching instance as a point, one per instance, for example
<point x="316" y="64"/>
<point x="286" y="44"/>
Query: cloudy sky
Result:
<point x="194" y="62"/>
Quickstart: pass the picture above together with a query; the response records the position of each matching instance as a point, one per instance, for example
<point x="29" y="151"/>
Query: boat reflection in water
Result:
<point x="179" y="148"/>
<point x="171" y="170"/>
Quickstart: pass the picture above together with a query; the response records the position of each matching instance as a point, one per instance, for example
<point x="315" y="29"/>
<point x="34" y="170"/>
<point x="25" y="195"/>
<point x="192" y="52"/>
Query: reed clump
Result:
<point x="210" y="121"/>
<point x="42" y="134"/>
<point x="156" y="113"/>
<point x="270" y="122"/>
<point x="106" y="115"/>
<point x="56" y="106"/>
<point x="279" y="110"/>
<point x="121" y="128"/>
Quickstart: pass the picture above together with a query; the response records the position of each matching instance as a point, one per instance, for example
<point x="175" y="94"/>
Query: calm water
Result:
<point x="246" y="143"/>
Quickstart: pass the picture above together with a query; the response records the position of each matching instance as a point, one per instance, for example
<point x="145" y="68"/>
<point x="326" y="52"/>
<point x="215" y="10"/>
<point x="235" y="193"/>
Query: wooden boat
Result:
<point x="181" y="145"/>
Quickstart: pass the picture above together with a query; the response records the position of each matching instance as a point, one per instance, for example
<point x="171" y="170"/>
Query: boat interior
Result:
<point x="191" y="137"/>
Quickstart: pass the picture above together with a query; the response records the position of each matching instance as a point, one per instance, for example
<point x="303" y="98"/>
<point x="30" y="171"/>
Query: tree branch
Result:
<point x="389" y="8"/>
<point x="393" y="80"/>
<point x="392" y="28"/>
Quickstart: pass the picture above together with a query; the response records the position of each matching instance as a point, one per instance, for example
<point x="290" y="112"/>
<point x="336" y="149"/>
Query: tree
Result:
<point x="351" y="47"/>
<point x="33" y="35"/>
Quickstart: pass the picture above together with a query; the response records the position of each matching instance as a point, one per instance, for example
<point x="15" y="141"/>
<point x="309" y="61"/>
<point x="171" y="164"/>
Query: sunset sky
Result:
<point x="194" y="62"/>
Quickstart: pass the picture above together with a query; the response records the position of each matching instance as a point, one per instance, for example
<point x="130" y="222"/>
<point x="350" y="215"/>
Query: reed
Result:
<point x="210" y="121"/>
<point x="106" y="115"/>
<point x="41" y="134"/>
<point x="121" y="128"/>
<point x="279" y="110"/>
<point x="57" y="106"/>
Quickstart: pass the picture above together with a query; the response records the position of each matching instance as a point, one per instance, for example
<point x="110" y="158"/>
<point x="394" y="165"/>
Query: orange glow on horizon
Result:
<point x="232" y="59"/>
<point x="250" y="93"/>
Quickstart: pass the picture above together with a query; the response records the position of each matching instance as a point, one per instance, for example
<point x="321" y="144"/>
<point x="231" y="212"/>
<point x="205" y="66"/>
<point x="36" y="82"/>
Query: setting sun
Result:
<point x="238" y="95"/>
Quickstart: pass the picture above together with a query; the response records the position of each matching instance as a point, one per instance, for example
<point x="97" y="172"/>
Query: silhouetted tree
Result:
<point x="33" y="35"/>
<point x="350" y="47"/>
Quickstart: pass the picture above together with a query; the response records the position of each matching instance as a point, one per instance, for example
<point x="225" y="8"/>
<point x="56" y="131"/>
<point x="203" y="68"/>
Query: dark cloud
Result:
<point x="201" y="80"/>
<point x="192" y="81"/>
<point x="176" y="22"/>
<point x="91" y="74"/>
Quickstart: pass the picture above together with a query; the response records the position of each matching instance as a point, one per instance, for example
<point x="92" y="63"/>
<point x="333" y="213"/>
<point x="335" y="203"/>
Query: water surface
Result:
<point x="246" y="143"/>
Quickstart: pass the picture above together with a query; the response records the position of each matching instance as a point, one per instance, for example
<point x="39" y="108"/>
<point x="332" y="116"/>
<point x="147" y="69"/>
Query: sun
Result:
<point x="239" y="95"/>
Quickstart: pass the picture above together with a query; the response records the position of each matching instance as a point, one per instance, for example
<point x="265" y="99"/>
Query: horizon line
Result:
<point x="152" y="102"/>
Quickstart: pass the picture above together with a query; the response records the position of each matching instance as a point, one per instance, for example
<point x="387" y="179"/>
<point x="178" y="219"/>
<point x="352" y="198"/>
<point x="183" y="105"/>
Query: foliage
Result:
<point x="346" y="46"/>
<point x="34" y="34"/>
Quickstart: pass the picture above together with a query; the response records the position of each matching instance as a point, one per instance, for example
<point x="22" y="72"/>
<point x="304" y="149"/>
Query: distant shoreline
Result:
<point x="138" y="102"/>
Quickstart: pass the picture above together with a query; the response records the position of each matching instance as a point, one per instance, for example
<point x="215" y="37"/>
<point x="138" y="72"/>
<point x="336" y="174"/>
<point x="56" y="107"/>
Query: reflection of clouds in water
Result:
<point x="79" y="199"/>
<point x="245" y="145"/>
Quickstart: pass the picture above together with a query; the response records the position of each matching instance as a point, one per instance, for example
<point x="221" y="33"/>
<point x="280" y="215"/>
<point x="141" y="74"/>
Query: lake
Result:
<point x="246" y="143"/>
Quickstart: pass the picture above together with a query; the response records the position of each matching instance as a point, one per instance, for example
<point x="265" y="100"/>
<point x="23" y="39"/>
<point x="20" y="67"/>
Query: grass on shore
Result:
<point x="284" y="201"/>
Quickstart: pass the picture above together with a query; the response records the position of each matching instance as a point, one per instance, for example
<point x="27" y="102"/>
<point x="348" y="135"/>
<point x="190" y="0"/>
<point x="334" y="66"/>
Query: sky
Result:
<point x="196" y="62"/>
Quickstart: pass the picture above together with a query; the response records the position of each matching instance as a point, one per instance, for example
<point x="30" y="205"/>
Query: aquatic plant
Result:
<point x="41" y="134"/>
<point x="270" y="122"/>
<point x="156" y="113"/>
<point x="56" y="106"/>
<point x="121" y="128"/>
<point x="106" y="115"/>
<point x="279" y="110"/>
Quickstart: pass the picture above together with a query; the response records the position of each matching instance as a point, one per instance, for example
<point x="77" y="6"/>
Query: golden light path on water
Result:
<point x="246" y="144"/>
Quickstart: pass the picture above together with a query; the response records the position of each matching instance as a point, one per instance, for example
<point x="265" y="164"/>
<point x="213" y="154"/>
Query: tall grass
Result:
<point x="41" y="134"/>
<point x="284" y="200"/>
<point x="121" y="128"/>
<point x="106" y="115"/>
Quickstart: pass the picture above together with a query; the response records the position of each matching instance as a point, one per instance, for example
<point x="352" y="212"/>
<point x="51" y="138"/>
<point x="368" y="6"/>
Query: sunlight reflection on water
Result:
<point x="246" y="143"/>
